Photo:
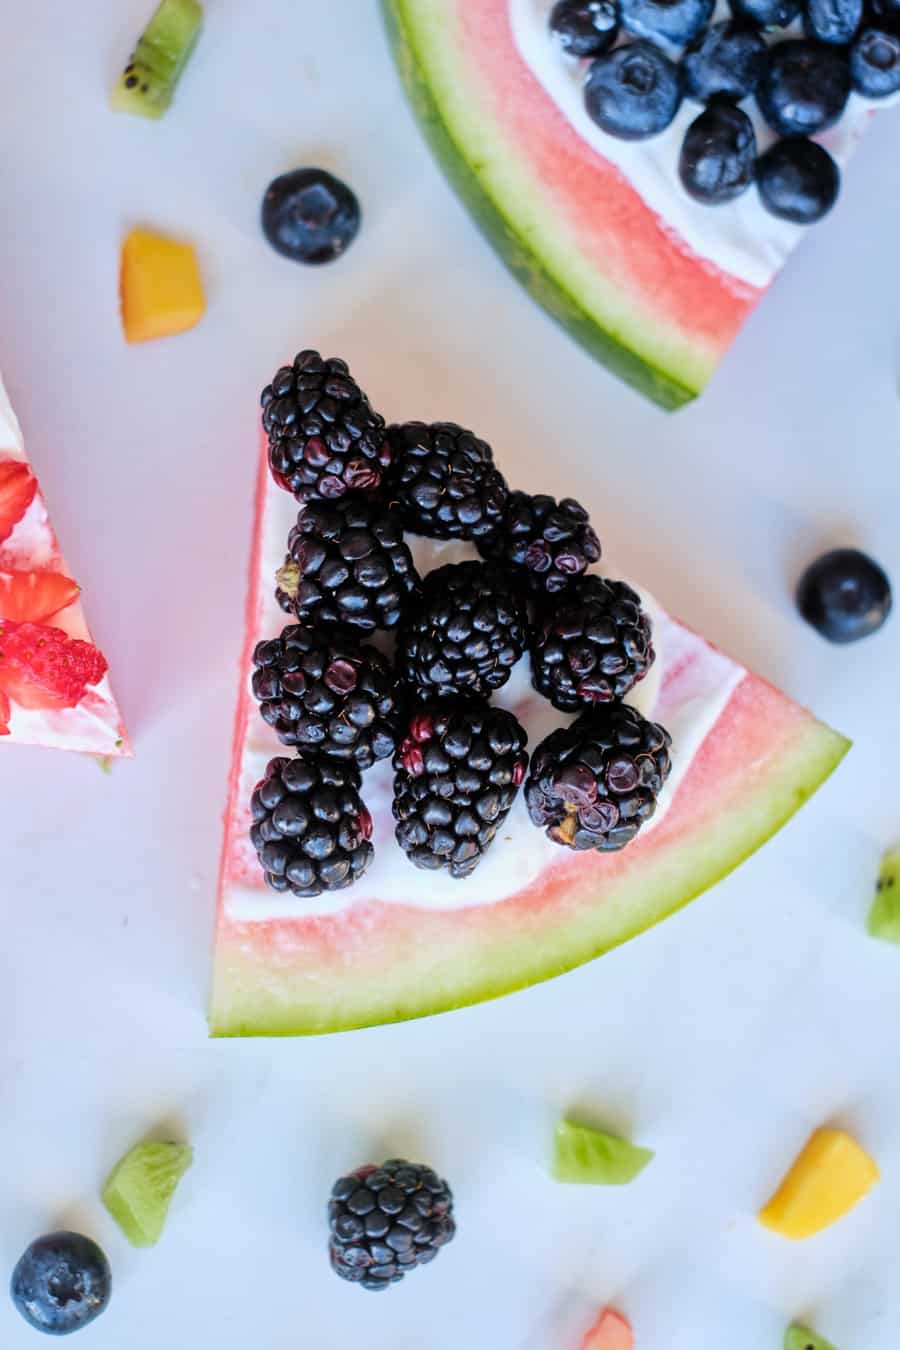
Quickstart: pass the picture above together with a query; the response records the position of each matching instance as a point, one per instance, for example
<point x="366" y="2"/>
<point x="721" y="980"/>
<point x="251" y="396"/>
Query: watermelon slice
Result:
<point x="598" y="230"/>
<point x="36" y="589"/>
<point x="372" y="955"/>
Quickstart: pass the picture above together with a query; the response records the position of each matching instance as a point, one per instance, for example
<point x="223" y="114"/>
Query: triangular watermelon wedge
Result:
<point x="36" y="588"/>
<point x="285" y="966"/>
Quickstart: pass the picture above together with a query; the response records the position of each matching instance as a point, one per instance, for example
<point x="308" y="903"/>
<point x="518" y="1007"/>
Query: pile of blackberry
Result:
<point x="342" y="705"/>
<point x="670" y="50"/>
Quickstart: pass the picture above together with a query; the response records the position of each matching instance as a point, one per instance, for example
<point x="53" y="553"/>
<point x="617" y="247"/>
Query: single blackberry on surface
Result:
<point x="310" y="827"/>
<point x="457" y="774"/>
<point x="594" y="783"/>
<point x="592" y="645"/>
<point x="444" y="481"/>
<point x="468" y="631"/>
<point x="347" y="566"/>
<point x="329" y="694"/>
<point x="553" y="542"/>
<point x="324" y="438"/>
<point x="384" y="1221"/>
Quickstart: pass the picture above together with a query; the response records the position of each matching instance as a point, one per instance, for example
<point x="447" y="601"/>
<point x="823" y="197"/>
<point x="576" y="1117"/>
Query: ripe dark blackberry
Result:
<point x="594" y="783"/>
<point x="592" y="645"/>
<point x="347" y="566"/>
<point x="457" y="774"/>
<point x="385" y="1221"/>
<point x="467" y="633"/>
<point x="324" y="438"/>
<point x="310" y="827"/>
<point x="552" y="541"/>
<point x="444" y="481"/>
<point x="328" y="694"/>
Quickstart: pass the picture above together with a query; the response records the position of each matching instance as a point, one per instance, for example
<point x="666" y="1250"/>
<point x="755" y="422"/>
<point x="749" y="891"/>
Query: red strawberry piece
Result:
<point x="35" y="596"/>
<point x="40" y="667"/>
<point x="17" y="488"/>
<point x="4" y="714"/>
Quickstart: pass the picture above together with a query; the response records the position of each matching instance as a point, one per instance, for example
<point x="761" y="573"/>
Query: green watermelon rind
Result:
<point x="546" y="289"/>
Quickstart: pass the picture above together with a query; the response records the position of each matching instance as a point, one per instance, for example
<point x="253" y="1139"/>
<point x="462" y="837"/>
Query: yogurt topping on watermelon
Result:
<point x="741" y="237"/>
<point x="10" y="431"/>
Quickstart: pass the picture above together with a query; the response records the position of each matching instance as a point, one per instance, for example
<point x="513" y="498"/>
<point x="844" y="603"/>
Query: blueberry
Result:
<point x="61" y="1283"/>
<point x="634" y="92"/>
<point x="804" y="87"/>
<point x="834" y="21"/>
<point x="718" y="155"/>
<point x="844" y="595"/>
<point x="310" y="216"/>
<point x="875" y="63"/>
<point x="798" y="180"/>
<point x="885" y="14"/>
<point x="726" y="60"/>
<point x="585" y="27"/>
<point x="678" y="21"/>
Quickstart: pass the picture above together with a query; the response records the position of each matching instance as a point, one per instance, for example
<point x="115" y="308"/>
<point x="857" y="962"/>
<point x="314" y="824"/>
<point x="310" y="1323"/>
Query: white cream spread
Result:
<point x="739" y="237"/>
<point x="10" y="431"/>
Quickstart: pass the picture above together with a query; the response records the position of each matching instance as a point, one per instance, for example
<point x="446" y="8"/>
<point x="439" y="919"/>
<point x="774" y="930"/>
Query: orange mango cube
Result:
<point x="160" y="287"/>
<point x="829" y="1177"/>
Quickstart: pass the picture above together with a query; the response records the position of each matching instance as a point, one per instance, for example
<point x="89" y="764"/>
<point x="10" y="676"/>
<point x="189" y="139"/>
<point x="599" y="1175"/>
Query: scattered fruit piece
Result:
<point x="61" y="1283"/>
<point x="148" y="82"/>
<point x="612" y="1332"/>
<point x="140" y="1189"/>
<point x="585" y="27"/>
<point x="160" y="287"/>
<point x="798" y="180"/>
<point x="801" y="1338"/>
<point x="884" y="916"/>
<point x="828" y="1178"/>
<point x="875" y="63"/>
<point x="17" y="488"/>
<point x="40" y="667"/>
<point x="845" y="595"/>
<point x="718" y="155"/>
<point x="310" y="216"/>
<point x="35" y="596"/>
<point x="633" y="92"/>
<point x="589" y="1157"/>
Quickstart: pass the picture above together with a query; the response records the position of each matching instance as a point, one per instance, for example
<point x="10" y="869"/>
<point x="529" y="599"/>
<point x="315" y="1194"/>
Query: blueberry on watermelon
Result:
<point x="677" y="21"/>
<point x="718" y="155"/>
<point x="726" y="61"/>
<point x="585" y="27"/>
<point x="885" y="14"/>
<point x="833" y="21"/>
<point x="767" y="13"/>
<point x="798" y="180"/>
<point x="804" y="87"/>
<point x="875" y="63"/>
<point x="634" y="92"/>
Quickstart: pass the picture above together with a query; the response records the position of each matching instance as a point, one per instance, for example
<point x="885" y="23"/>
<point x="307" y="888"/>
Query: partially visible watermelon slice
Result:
<point x="374" y="962"/>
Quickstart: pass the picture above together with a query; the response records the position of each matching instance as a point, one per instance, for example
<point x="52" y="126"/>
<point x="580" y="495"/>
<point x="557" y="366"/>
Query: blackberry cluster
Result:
<point x="347" y="566"/>
<point x="444" y="481"/>
<point x="385" y="1221"/>
<point x="467" y="633"/>
<point x="328" y="694"/>
<point x="591" y="647"/>
<point x="457" y="775"/>
<point x="310" y="827"/>
<point x="592" y="785"/>
<point x="552" y="542"/>
<point x="324" y="438"/>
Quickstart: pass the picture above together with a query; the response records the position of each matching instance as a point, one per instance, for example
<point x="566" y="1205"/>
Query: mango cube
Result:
<point x="612" y="1332"/>
<point x="829" y="1177"/>
<point x="160" y="287"/>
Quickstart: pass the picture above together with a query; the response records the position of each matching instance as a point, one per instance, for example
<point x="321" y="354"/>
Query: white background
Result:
<point x="721" y="1038"/>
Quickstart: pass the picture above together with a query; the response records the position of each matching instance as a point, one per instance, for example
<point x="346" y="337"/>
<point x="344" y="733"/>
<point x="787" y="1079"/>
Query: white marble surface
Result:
<point x="721" y="1038"/>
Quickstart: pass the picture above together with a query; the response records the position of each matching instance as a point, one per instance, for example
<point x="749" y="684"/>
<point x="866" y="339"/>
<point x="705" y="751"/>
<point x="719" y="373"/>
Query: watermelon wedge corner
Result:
<point x="54" y="690"/>
<point x="285" y="966"/>
<point x="652" y="285"/>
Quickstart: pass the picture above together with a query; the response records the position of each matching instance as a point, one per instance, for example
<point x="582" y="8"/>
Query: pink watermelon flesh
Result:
<point x="612" y="1332"/>
<point x="375" y="962"/>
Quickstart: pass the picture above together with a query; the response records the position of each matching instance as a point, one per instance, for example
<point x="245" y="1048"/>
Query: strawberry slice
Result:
<point x="40" y="667"/>
<point x="35" y="596"/>
<point x="17" y="488"/>
<point x="4" y="714"/>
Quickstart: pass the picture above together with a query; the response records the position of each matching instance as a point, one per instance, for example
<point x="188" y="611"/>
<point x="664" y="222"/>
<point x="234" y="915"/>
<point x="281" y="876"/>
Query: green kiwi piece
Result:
<point x="884" y="916"/>
<point x="801" y="1338"/>
<point x="141" y="1186"/>
<point x="593" y="1158"/>
<point x="148" y="81"/>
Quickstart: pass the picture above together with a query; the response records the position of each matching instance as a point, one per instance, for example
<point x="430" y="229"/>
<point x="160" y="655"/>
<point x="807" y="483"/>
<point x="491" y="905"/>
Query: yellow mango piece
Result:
<point x="160" y="287"/>
<point x="830" y="1176"/>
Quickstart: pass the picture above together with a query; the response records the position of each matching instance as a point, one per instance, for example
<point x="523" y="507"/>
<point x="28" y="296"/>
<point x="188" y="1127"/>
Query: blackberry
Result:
<point x="552" y="541"/>
<point x="457" y="775"/>
<point x="347" y="566"/>
<point x="385" y="1221"/>
<point x="328" y="694"/>
<point x="444" y="481"/>
<point x="594" y="783"/>
<point x="324" y="438"/>
<point x="467" y="634"/>
<point x="591" y="647"/>
<point x="310" y="827"/>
